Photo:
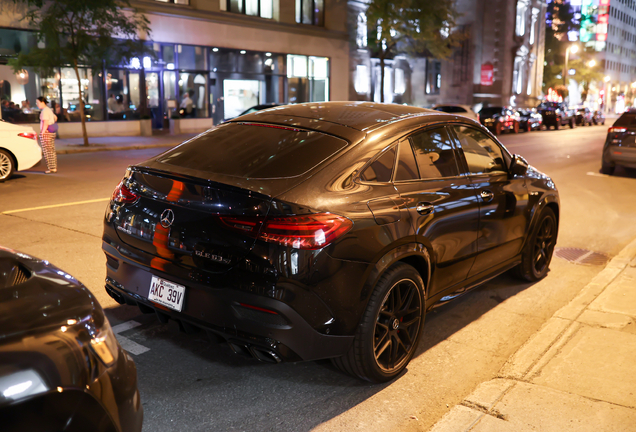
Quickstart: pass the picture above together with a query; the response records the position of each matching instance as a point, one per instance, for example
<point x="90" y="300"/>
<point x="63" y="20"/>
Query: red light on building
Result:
<point x="601" y="37"/>
<point x="604" y="2"/>
<point x="603" y="19"/>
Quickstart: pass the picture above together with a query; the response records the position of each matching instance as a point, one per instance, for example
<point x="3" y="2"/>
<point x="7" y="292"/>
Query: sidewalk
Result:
<point x="75" y="145"/>
<point x="575" y="374"/>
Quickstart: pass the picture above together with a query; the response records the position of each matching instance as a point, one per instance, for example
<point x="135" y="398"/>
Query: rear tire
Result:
<point x="557" y="125"/>
<point x="390" y="328"/>
<point x="528" y="127"/>
<point x="572" y="123"/>
<point x="607" y="168"/>
<point x="498" y="129"/>
<point x="537" y="253"/>
<point x="515" y="128"/>
<point x="7" y="166"/>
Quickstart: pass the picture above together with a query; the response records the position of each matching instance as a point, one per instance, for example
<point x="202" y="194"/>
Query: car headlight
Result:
<point x="104" y="344"/>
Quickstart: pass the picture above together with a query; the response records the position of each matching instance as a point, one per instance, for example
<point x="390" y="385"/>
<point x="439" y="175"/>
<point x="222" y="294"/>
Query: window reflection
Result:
<point x="434" y="154"/>
<point x="482" y="154"/>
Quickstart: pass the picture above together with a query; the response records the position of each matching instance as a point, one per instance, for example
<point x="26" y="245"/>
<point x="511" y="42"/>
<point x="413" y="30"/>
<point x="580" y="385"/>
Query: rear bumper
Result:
<point x="285" y="333"/>
<point x="624" y="156"/>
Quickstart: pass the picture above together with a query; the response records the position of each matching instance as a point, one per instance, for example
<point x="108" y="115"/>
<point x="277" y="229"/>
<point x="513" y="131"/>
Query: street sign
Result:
<point x="487" y="74"/>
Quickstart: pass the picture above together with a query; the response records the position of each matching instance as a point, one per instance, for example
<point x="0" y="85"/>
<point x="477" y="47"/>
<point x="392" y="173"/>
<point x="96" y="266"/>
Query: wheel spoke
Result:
<point x="406" y="324"/>
<point x="380" y="350"/>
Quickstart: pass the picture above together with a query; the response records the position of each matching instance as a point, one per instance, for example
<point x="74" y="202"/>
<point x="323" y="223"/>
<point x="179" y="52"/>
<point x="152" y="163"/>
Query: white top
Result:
<point x="48" y="116"/>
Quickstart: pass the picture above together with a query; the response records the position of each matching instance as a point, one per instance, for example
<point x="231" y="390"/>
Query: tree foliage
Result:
<point x="413" y="27"/>
<point x="82" y="33"/>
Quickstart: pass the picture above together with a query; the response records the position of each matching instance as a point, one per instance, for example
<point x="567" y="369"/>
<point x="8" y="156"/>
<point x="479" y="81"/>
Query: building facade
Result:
<point x="609" y="26"/>
<point x="225" y="55"/>
<point x="499" y="62"/>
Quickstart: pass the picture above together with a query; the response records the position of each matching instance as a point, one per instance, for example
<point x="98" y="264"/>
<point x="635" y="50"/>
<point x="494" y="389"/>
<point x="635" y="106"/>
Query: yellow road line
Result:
<point x="56" y="205"/>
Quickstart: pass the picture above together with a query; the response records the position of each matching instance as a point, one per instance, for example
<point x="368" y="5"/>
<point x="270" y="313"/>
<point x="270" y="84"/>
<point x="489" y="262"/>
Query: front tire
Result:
<point x="390" y="328"/>
<point x="572" y="123"/>
<point x="537" y="253"/>
<point x="7" y="166"/>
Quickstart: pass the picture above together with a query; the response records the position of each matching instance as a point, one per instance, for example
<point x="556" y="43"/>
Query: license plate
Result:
<point x="166" y="293"/>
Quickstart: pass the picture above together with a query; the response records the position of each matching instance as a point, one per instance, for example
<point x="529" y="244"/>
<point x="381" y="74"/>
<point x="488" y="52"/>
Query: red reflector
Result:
<point x="123" y="195"/>
<point x="30" y="135"/>
<point x="272" y="126"/>
<point x="617" y="130"/>
<point x="311" y="232"/>
<point x="618" y="153"/>
<point x="258" y="308"/>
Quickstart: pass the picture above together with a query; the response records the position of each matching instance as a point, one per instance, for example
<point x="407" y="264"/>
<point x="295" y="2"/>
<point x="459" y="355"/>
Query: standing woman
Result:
<point x="48" y="128"/>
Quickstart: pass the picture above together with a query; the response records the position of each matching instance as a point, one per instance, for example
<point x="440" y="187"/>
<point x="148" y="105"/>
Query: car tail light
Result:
<point x="616" y="130"/>
<point x="29" y="135"/>
<point x="123" y="195"/>
<point x="310" y="232"/>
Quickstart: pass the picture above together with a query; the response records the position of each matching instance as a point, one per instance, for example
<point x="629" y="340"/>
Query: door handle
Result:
<point x="487" y="195"/>
<point x="425" y="208"/>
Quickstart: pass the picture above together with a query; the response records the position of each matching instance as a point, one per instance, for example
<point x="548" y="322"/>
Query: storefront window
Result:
<point x="91" y="93"/>
<point x="250" y="63"/>
<point x="122" y="88"/>
<point x="194" y="95"/>
<point x="191" y="57"/>
<point x="13" y="42"/>
<point x="239" y="95"/>
<point x="167" y="56"/>
<point x="222" y="60"/>
<point x="18" y="93"/>
<point x="319" y="78"/>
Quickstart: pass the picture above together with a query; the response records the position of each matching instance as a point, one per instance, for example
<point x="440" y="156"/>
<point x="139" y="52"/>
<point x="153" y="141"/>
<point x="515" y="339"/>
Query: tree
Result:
<point x="414" y="27"/>
<point x="82" y="33"/>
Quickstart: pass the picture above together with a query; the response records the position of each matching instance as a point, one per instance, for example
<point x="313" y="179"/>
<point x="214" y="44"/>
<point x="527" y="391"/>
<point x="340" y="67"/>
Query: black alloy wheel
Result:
<point x="397" y="325"/>
<point x="544" y="245"/>
<point x="537" y="253"/>
<point x="390" y="329"/>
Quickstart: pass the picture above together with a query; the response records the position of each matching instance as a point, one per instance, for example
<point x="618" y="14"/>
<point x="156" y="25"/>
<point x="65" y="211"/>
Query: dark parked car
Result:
<point x="61" y="368"/>
<point x="498" y="119"/>
<point x="325" y="230"/>
<point x="598" y="118"/>
<point x="556" y="114"/>
<point x="584" y="117"/>
<point x="620" y="147"/>
<point x="529" y="119"/>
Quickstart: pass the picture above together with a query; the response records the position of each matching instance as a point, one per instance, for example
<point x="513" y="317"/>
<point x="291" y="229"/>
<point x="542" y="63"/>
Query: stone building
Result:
<point x="500" y="61"/>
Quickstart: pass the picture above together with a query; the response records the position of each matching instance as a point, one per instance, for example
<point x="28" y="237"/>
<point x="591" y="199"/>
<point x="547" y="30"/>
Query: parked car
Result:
<point x="294" y="234"/>
<point x="19" y="149"/>
<point x="462" y="110"/>
<point x="584" y="117"/>
<point x="620" y="147"/>
<point x="499" y="119"/>
<point x="556" y="114"/>
<point x="529" y="119"/>
<point x="61" y="368"/>
<point x="598" y="118"/>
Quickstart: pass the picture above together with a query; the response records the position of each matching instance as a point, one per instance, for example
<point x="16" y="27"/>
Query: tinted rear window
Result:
<point x="627" y="119"/>
<point x="490" y="111"/>
<point x="255" y="151"/>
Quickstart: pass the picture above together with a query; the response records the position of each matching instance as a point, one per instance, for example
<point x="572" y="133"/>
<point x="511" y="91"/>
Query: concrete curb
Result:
<point x="528" y="360"/>
<point x="113" y="148"/>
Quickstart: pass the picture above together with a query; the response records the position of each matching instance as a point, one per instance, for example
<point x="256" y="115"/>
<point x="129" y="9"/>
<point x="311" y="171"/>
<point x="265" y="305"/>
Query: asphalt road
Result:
<point x="190" y="384"/>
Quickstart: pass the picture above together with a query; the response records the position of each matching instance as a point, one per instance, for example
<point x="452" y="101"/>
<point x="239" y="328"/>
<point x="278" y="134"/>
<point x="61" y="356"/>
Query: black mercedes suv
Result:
<point x="325" y="230"/>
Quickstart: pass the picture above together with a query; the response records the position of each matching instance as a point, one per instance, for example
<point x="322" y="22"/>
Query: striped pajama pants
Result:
<point x="47" y="142"/>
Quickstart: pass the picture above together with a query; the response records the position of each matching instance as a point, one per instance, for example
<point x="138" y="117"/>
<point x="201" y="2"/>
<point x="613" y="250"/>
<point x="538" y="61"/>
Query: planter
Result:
<point x="145" y="126"/>
<point x="175" y="126"/>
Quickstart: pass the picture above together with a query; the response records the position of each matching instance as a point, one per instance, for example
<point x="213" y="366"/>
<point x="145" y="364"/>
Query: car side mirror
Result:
<point x="519" y="166"/>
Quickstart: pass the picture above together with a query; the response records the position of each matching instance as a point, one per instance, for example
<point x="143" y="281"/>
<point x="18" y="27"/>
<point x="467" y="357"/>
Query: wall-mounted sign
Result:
<point x="487" y="74"/>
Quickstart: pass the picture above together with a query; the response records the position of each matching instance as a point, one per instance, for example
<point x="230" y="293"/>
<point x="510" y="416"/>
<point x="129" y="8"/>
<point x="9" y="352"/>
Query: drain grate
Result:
<point x="581" y="256"/>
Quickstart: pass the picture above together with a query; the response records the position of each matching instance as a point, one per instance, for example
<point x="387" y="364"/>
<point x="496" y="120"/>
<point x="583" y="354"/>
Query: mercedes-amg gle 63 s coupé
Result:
<point x="326" y="230"/>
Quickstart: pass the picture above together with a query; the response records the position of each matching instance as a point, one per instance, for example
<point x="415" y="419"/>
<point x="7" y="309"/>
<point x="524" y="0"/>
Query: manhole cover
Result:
<point x="581" y="256"/>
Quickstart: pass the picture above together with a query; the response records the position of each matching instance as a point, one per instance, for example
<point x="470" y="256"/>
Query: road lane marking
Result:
<point x="129" y="345"/>
<point x="56" y="206"/>
<point x="595" y="174"/>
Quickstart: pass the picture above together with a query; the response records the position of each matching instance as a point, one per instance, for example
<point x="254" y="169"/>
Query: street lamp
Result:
<point x="607" y="78"/>
<point x="571" y="49"/>
<point x="592" y="63"/>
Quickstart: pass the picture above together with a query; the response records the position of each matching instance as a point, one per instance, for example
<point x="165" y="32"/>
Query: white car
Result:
<point x="462" y="110"/>
<point x="19" y="149"/>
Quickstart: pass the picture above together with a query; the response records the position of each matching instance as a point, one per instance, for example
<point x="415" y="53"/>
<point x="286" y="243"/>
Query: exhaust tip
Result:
<point x="265" y="355"/>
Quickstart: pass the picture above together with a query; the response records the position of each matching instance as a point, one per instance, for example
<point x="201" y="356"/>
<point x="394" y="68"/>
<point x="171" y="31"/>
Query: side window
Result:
<point x="380" y="170"/>
<point x="482" y="154"/>
<point x="434" y="154"/>
<point x="406" y="168"/>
